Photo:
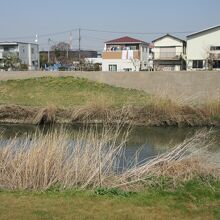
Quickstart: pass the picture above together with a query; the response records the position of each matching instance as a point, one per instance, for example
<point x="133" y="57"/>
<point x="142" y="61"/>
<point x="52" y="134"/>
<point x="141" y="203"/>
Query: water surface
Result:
<point x="149" y="141"/>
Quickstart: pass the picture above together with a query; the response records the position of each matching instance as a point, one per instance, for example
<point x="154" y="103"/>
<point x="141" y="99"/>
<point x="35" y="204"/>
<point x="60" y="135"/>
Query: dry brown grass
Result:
<point x="45" y="115"/>
<point x="92" y="160"/>
<point x="157" y="112"/>
<point x="184" y="162"/>
<point x="40" y="162"/>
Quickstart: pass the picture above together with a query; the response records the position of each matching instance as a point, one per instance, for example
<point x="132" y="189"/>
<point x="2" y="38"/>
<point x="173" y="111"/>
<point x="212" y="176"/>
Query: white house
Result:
<point x="169" y="53"/>
<point x="203" y="49"/>
<point x="125" y="54"/>
<point x="28" y="53"/>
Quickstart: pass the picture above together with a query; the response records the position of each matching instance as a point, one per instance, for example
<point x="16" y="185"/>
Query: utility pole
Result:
<point x="70" y="44"/>
<point x="49" y="40"/>
<point x="80" y="49"/>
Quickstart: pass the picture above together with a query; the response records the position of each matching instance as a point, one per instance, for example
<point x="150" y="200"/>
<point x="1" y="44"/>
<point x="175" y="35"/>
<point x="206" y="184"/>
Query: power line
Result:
<point x="56" y="33"/>
<point x="86" y="35"/>
<point x="39" y="35"/>
<point x="137" y="33"/>
<point x="93" y="30"/>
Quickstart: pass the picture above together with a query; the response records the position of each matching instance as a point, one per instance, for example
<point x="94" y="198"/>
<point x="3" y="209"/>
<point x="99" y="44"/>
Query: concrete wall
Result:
<point x="200" y="86"/>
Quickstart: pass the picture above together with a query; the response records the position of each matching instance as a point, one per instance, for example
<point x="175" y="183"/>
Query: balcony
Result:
<point x="121" y="55"/>
<point x="7" y="53"/>
<point x="167" y="56"/>
<point x="214" y="55"/>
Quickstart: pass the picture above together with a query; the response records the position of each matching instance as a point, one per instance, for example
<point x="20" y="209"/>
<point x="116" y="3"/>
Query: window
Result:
<point x="216" y="64"/>
<point x="197" y="64"/>
<point x="127" y="69"/>
<point x="9" y="49"/>
<point x="144" y="49"/>
<point x="167" y="52"/>
<point x="133" y="47"/>
<point x="215" y="48"/>
<point x="112" y="68"/>
<point x="32" y="50"/>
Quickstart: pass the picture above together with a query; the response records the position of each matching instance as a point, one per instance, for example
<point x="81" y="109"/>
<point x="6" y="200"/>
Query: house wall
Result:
<point x="29" y="55"/>
<point x="167" y="42"/>
<point x="198" y="46"/>
<point x="23" y="53"/>
<point x="121" y="65"/>
<point x="145" y="57"/>
<point x="33" y="56"/>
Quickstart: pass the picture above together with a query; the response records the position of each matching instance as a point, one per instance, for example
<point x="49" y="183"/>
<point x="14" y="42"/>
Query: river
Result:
<point x="148" y="141"/>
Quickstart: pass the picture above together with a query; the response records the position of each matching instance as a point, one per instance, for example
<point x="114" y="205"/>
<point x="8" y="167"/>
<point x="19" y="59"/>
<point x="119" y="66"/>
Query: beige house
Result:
<point x="169" y="53"/>
<point x="203" y="49"/>
<point x="125" y="54"/>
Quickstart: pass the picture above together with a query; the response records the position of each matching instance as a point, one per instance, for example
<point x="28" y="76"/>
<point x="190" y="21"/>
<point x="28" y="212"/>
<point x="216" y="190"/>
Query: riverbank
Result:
<point x="194" y="200"/>
<point x="69" y="100"/>
<point x="149" y="115"/>
<point x="47" y="176"/>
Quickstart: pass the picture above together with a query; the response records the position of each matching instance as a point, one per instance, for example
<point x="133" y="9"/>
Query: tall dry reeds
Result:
<point x="39" y="162"/>
<point x="184" y="162"/>
<point x="92" y="160"/>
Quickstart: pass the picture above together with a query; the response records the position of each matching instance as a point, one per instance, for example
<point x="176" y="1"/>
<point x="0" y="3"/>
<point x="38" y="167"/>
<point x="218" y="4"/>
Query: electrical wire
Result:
<point x="136" y="33"/>
<point x="92" y="30"/>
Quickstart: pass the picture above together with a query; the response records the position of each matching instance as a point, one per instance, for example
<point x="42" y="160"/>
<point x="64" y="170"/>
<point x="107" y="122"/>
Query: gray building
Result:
<point x="28" y="53"/>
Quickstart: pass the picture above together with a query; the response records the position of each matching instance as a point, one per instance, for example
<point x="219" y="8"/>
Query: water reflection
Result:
<point x="149" y="141"/>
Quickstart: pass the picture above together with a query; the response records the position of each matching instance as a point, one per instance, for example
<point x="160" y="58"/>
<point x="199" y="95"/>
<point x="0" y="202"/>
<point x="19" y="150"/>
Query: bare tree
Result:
<point x="61" y="46"/>
<point x="61" y="51"/>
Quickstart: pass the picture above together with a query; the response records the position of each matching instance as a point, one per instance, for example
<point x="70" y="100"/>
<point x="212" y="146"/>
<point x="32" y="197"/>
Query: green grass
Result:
<point x="66" y="92"/>
<point x="195" y="200"/>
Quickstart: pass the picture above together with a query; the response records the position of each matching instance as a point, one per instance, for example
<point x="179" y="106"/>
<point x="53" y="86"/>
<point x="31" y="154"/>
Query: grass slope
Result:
<point x="195" y="200"/>
<point x="66" y="92"/>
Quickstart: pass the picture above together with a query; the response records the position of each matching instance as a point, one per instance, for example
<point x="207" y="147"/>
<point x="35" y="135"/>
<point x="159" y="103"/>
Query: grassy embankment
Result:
<point x="68" y="99"/>
<point x="67" y="92"/>
<point x="192" y="201"/>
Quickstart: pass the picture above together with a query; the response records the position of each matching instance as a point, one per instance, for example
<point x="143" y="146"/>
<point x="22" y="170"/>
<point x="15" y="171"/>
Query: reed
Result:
<point x="92" y="159"/>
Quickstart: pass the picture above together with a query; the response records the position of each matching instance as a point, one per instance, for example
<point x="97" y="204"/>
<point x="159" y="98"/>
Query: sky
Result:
<point x="103" y="20"/>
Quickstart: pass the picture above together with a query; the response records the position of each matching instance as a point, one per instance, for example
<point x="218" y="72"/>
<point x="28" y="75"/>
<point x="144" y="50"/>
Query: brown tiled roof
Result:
<point x="125" y="40"/>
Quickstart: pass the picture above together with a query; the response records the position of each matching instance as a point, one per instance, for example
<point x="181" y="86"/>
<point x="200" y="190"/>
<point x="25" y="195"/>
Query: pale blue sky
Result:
<point x="22" y="19"/>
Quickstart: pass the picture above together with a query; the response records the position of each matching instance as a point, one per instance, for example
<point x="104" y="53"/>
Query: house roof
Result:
<point x="169" y="35"/>
<point x="15" y="43"/>
<point x="203" y="31"/>
<point x="125" y="40"/>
